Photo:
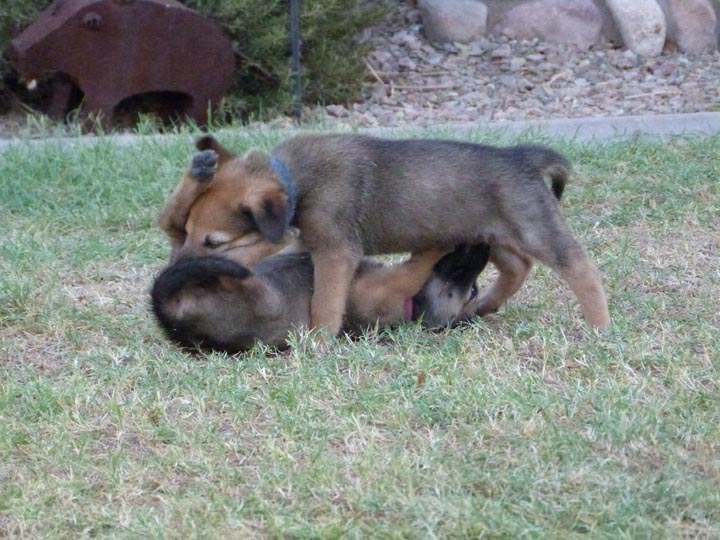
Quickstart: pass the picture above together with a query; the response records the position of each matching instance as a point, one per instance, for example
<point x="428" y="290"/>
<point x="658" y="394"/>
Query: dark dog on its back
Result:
<point x="215" y="303"/>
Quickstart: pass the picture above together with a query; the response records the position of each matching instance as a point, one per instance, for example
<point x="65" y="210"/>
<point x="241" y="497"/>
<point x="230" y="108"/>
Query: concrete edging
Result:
<point x="594" y="129"/>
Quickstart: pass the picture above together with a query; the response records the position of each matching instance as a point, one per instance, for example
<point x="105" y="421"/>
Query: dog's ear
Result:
<point x="208" y="142"/>
<point x="270" y="210"/>
<point x="270" y="206"/>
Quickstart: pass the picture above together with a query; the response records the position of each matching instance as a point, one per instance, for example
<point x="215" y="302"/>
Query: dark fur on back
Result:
<point x="213" y="303"/>
<point x="377" y="187"/>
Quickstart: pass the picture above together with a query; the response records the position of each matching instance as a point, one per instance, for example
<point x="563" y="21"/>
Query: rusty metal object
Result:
<point x="115" y="50"/>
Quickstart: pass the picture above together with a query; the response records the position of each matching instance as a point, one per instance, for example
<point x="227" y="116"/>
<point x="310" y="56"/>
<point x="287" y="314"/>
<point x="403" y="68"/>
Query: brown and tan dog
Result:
<point x="351" y="195"/>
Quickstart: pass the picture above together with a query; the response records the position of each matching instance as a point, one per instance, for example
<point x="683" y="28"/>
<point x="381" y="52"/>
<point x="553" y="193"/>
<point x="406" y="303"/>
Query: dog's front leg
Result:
<point x="174" y="216"/>
<point x="334" y="271"/>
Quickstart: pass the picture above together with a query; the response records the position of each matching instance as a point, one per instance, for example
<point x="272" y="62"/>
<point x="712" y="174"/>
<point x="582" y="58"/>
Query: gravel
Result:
<point x="414" y="81"/>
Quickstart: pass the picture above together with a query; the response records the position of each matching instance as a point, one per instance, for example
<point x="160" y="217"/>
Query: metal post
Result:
<point x="296" y="44"/>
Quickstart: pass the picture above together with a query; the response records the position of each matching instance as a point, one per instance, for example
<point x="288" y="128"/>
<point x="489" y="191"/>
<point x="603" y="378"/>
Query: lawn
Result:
<point x="525" y="424"/>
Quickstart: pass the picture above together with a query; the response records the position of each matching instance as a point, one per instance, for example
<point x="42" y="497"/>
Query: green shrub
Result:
<point x="13" y="15"/>
<point x="332" y="58"/>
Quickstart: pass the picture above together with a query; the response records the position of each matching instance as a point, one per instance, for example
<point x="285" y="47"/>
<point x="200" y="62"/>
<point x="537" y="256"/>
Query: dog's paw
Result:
<point x="203" y="165"/>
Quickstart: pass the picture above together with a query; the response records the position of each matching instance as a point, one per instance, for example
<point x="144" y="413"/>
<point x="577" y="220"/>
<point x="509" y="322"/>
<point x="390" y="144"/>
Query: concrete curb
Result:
<point x="608" y="129"/>
<point x="594" y="129"/>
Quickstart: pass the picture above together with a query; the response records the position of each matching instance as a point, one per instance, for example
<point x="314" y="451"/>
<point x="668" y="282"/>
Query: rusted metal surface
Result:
<point x="113" y="50"/>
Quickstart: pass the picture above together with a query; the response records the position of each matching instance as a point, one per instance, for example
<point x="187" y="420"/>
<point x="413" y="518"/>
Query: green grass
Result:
<point x="523" y="425"/>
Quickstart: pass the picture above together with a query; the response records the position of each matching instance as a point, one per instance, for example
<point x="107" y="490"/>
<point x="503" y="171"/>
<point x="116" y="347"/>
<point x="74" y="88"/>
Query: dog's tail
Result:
<point x="549" y="163"/>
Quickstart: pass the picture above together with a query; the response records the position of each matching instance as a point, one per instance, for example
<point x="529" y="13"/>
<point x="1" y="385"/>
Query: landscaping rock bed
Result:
<point x="414" y="81"/>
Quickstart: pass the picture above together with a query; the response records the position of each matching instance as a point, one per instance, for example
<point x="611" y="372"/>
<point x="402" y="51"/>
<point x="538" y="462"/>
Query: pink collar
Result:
<point x="409" y="309"/>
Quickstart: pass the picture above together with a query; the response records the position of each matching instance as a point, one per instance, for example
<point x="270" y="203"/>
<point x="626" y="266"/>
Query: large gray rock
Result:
<point x="577" y="22"/>
<point x="453" y="20"/>
<point x="641" y="23"/>
<point x="691" y="25"/>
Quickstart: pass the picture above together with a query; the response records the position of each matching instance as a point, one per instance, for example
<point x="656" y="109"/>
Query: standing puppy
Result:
<point x="352" y="195"/>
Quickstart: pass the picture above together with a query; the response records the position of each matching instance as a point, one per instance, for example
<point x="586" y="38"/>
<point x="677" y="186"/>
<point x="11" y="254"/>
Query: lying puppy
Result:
<point x="214" y="303"/>
<point x="352" y="195"/>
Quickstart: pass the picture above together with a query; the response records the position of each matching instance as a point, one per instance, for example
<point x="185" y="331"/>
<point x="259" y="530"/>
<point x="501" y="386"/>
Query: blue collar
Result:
<point x="288" y="185"/>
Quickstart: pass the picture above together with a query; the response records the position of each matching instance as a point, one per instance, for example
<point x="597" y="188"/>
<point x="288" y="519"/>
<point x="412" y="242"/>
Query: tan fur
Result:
<point x="218" y="212"/>
<point x="381" y="295"/>
<point x="177" y="209"/>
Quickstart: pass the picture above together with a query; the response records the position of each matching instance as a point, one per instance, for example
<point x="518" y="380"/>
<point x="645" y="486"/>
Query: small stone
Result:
<point x="379" y="92"/>
<point x="449" y="47"/>
<point x="692" y="25"/>
<point x="474" y="96"/>
<point x="664" y="69"/>
<point x="577" y="22"/>
<point x="336" y="110"/>
<point x="517" y="63"/>
<point x="407" y="64"/>
<point x="435" y="59"/>
<point x="677" y="102"/>
<point x="478" y="48"/>
<point x="641" y="24"/>
<point x="501" y="52"/>
<point x="630" y="55"/>
<point x="621" y="60"/>
<point x="453" y="20"/>
<point x="380" y="57"/>
<point x="407" y="39"/>
<point x="583" y="66"/>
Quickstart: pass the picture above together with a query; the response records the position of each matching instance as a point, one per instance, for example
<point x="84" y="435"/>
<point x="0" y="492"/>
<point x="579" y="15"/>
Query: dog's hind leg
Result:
<point x="404" y="279"/>
<point x="584" y="280"/>
<point x="382" y="294"/>
<point x="514" y="270"/>
<point x="567" y="257"/>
